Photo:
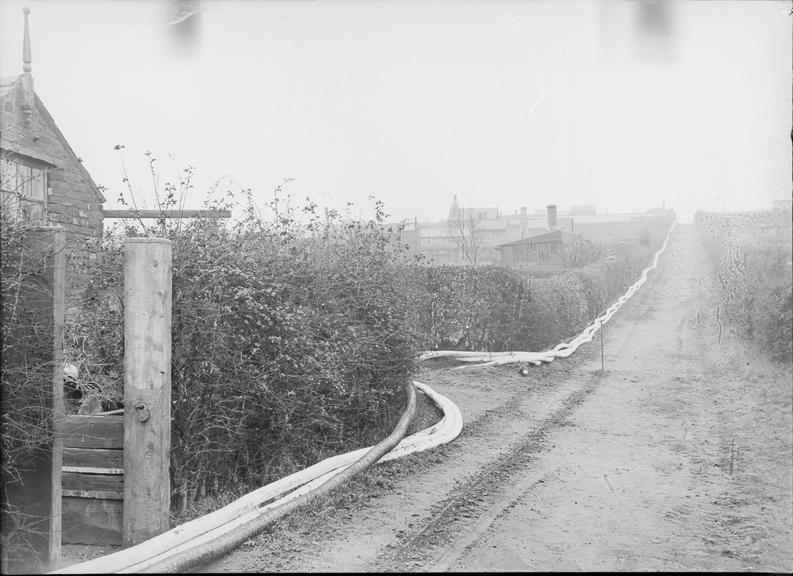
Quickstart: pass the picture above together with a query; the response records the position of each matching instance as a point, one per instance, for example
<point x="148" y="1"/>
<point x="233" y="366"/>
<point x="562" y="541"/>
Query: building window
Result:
<point x="23" y="191"/>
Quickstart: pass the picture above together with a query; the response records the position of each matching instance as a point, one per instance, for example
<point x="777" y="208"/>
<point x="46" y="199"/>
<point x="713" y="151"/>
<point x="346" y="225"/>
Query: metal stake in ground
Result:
<point x="602" y="363"/>
<point x="147" y="388"/>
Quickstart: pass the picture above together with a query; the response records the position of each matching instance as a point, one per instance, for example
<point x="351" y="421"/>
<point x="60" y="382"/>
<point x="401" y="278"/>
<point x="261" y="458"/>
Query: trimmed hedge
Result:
<point x="493" y="308"/>
<point x="290" y="344"/>
<point x="294" y="334"/>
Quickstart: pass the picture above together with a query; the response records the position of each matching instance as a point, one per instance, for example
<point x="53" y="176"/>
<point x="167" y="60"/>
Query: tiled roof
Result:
<point x="7" y="86"/>
<point x="549" y="236"/>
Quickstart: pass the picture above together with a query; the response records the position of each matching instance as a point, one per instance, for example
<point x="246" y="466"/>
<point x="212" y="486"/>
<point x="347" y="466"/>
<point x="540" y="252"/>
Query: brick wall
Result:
<point x="73" y="201"/>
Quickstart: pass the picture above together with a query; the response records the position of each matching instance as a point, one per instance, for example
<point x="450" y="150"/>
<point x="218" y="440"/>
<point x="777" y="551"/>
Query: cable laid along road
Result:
<point x="678" y="457"/>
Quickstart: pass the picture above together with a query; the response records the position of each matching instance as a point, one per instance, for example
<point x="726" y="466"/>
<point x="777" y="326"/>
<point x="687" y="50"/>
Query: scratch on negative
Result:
<point x="541" y="93"/>
<point x="611" y="488"/>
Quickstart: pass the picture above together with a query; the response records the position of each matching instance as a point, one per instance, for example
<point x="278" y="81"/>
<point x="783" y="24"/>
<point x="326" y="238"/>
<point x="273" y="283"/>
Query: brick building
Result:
<point x="43" y="182"/>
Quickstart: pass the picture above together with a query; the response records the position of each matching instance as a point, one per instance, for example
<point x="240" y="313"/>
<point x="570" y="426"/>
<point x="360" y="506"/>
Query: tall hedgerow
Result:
<point x="494" y="308"/>
<point x="750" y="259"/>
<point x="290" y="340"/>
<point x="293" y="331"/>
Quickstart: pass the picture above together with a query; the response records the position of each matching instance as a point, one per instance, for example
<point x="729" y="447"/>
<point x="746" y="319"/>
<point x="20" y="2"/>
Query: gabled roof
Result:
<point x="541" y="238"/>
<point x="8" y="87"/>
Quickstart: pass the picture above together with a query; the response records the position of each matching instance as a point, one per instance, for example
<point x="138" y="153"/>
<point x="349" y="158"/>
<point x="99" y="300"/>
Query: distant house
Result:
<point x="43" y="182"/>
<point x="455" y="212"/>
<point x="437" y="244"/>
<point x="521" y="240"/>
<point x="543" y="249"/>
<point x="439" y="241"/>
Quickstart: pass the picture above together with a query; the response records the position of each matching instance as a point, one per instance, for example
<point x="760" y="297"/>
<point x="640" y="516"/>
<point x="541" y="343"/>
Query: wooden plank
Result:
<point x="96" y="494"/>
<point x="58" y="405"/>
<point x="93" y="432"/>
<point x="91" y="521"/>
<point x="86" y="482"/>
<point x="89" y="470"/>
<point x="147" y="388"/>
<point x="93" y="457"/>
<point x="166" y="213"/>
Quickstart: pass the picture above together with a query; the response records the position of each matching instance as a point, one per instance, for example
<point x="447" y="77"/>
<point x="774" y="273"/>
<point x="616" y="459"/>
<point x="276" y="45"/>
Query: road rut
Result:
<point x="677" y="457"/>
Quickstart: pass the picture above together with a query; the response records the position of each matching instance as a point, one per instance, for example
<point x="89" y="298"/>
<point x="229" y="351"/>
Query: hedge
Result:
<point x="750" y="257"/>
<point x="293" y="334"/>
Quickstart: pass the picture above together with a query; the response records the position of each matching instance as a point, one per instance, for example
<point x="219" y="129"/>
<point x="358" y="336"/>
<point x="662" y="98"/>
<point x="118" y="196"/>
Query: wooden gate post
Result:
<point x="58" y="407"/>
<point x="42" y="294"/>
<point x="147" y="388"/>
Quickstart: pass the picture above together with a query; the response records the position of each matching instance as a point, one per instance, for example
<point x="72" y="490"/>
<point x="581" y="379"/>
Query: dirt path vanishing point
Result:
<point x="678" y="457"/>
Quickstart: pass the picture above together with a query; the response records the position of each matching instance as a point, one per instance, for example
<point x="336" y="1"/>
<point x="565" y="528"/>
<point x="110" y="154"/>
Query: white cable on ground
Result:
<point x="563" y="350"/>
<point x="172" y="549"/>
<point x="152" y="553"/>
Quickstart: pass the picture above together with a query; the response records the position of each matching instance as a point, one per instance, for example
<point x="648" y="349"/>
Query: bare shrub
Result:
<point x="290" y="341"/>
<point x="750" y="256"/>
<point x="26" y="388"/>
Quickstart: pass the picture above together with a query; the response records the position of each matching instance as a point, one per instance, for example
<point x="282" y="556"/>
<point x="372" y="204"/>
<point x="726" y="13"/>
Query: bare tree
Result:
<point x="464" y="232"/>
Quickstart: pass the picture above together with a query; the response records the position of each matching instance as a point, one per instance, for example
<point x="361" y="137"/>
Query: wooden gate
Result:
<point x="92" y="479"/>
<point x="77" y="493"/>
<point x="100" y="503"/>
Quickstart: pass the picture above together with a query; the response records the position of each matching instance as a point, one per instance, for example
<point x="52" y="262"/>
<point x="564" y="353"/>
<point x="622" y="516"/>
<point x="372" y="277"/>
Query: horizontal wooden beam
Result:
<point x="106" y="483"/>
<point x="93" y="457"/>
<point x="92" y="470"/>
<point x="93" y="494"/>
<point x="166" y="213"/>
<point x="93" y="432"/>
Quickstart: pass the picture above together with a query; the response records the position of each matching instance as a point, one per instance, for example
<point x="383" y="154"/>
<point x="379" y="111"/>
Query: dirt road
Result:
<point x="678" y="457"/>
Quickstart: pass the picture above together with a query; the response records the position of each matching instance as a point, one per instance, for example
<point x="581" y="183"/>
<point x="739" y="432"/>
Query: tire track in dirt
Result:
<point x="494" y="437"/>
<point x="481" y="496"/>
<point x="495" y="425"/>
<point x="648" y="466"/>
<point x="650" y="473"/>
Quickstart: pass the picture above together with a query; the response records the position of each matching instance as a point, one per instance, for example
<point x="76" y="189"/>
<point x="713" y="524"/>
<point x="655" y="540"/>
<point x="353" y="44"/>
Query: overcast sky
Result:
<point x="503" y="103"/>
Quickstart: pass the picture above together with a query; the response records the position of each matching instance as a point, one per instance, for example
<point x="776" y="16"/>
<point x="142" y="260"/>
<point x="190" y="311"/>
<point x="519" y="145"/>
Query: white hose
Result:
<point x="563" y="350"/>
<point x="254" y="504"/>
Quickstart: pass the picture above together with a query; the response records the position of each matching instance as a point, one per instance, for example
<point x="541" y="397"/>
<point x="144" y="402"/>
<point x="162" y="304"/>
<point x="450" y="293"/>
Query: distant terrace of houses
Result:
<point x="525" y="239"/>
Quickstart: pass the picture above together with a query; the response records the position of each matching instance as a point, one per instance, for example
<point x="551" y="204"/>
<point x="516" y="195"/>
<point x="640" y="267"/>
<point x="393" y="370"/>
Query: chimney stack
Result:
<point x="551" y="216"/>
<point x="522" y="210"/>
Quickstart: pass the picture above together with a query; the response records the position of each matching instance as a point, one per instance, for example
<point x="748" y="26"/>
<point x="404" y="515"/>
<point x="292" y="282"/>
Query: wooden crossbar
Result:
<point x="166" y="214"/>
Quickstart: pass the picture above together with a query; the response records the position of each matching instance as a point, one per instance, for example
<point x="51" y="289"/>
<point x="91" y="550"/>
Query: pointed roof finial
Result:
<point x="26" y="80"/>
<point x="26" y="59"/>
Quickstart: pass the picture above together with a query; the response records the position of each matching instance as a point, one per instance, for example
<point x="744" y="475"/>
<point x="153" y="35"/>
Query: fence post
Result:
<point x="39" y="493"/>
<point x="58" y="407"/>
<point x="147" y="388"/>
